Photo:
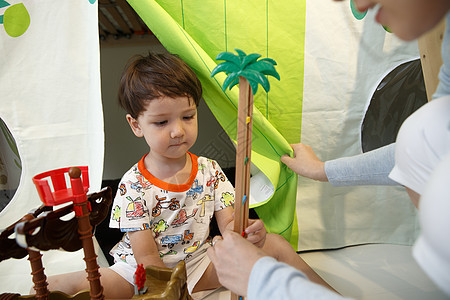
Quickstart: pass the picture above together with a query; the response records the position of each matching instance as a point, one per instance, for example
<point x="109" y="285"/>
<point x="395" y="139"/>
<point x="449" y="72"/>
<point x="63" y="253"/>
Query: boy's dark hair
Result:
<point x="155" y="75"/>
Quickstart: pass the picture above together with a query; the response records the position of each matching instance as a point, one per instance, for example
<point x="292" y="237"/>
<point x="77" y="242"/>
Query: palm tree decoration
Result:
<point x="247" y="66"/>
<point x="248" y="71"/>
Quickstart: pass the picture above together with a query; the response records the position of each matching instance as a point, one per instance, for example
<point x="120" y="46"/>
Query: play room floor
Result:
<point x="368" y="272"/>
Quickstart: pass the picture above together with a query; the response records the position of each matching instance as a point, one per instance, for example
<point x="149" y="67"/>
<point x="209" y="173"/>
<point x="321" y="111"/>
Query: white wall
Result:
<point x="122" y="148"/>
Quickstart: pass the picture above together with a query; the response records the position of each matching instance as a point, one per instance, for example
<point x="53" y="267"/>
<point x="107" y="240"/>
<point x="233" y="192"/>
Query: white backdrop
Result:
<point x="50" y="100"/>
<point x="345" y="59"/>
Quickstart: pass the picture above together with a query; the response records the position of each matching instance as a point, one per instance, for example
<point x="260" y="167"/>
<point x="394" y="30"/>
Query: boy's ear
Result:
<point x="134" y="126"/>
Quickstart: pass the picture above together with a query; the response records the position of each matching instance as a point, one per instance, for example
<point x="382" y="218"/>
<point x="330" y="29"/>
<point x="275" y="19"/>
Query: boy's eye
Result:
<point x="188" y="117"/>
<point x="160" y="123"/>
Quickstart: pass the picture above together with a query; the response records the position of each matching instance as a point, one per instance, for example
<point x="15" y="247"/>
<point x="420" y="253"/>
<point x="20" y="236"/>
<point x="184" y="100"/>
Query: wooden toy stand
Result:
<point x="44" y="230"/>
<point x="77" y="193"/>
<point x="70" y="185"/>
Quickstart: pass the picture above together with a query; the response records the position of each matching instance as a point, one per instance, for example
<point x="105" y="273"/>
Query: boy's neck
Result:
<point x="174" y="171"/>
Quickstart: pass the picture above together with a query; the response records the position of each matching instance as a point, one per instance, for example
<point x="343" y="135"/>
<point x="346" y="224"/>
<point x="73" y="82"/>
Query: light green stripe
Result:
<point x="182" y="14"/>
<point x="225" y="24"/>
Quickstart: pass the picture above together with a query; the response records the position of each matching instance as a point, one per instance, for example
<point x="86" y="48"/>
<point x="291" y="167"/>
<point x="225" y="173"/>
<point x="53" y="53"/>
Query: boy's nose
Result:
<point x="177" y="130"/>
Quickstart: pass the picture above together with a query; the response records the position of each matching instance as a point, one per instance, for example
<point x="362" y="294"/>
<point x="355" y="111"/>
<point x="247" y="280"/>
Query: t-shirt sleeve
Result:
<point x="223" y="189"/>
<point x="129" y="210"/>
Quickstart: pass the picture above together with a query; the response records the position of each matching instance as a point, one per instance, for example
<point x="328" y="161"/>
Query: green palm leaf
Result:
<point x="240" y="53"/>
<point x="264" y="67"/>
<point x="236" y="81"/>
<point x="227" y="67"/>
<point x="229" y="80"/>
<point x="254" y="86"/>
<point x="254" y="76"/>
<point x="248" y="66"/>
<point x="228" y="56"/>
<point x="249" y="59"/>
<point x="269" y="60"/>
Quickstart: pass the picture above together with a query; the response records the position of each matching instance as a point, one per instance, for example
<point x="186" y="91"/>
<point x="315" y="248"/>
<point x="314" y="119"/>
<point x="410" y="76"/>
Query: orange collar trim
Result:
<point x="170" y="186"/>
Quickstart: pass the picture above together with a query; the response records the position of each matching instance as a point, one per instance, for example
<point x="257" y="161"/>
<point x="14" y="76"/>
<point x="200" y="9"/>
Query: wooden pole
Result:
<point x="243" y="155"/>
<point x="243" y="159"/>
<point x="431" y="58"/>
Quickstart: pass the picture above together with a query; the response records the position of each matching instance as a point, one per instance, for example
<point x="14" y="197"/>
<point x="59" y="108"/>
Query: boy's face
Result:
<point x="408" y="19"/>
<point x="169" y="126"/>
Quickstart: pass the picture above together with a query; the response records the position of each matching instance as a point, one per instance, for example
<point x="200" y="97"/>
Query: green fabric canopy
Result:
<point x="199" y="30"/>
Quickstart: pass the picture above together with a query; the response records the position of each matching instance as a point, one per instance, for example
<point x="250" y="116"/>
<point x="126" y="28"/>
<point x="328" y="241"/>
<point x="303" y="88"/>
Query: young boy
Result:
<point x="170" y="191"/>
<point x="165" y="202"/>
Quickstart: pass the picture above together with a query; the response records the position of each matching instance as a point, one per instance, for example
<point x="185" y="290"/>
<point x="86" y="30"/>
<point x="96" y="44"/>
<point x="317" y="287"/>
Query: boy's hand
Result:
<point x="256" y="232"/>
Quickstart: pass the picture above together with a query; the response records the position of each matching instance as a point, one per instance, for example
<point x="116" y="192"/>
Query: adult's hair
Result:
<point x="153" y="76"/>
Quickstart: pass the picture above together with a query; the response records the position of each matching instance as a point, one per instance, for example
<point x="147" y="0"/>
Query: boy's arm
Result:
<point x="225" y="219"/>
<point x="145" y="249"/>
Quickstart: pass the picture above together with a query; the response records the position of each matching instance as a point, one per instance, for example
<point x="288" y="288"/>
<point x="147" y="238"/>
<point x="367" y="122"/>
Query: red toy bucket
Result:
<point x="55" y="187"/>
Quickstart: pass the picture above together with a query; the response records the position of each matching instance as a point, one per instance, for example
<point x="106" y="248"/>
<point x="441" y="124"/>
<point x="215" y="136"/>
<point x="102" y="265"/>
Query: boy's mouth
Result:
<point x="177" y="144"/>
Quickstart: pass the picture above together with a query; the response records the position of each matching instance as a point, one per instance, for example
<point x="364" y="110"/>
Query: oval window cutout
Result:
<point x="397" y="96"/>
<point x="10" y="166"/>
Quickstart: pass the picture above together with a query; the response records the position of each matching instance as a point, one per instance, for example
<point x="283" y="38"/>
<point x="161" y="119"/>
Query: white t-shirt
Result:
<point x="178" y="215"/>
<point x="422" y="142"/>
<point x="432" y="248"/>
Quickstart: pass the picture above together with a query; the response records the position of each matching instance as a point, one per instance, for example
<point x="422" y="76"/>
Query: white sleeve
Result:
<point x="129" y="210"/>
<point x="224" y="191"/>
<point x="370" y="168"/>
<point x="271" y="279"/>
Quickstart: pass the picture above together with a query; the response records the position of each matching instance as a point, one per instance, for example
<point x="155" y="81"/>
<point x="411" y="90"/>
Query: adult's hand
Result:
<point x="305" y="162"/>
<point x="234" y="257"/>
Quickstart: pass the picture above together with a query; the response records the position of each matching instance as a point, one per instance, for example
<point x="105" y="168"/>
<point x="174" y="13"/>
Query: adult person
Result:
<point x="374" y="167"/>
<point x="259" y="276"/>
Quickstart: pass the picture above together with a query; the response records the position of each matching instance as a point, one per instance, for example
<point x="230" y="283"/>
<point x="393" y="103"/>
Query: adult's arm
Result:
<point x="270" y="279"/>
<point x="369" y="168"/>
<point x="247" y="270"/>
